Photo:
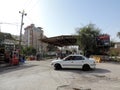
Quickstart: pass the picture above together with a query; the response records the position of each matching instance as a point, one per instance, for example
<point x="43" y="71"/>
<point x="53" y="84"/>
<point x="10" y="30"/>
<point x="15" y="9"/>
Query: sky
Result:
<point x="61" y="17"/>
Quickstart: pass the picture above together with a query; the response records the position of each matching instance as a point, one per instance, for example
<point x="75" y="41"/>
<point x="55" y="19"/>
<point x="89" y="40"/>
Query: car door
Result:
<point x="78" y="61"/>
<point x="68" y="62"/>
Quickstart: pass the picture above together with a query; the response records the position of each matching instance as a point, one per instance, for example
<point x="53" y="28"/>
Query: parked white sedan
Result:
<point x="74" y="61"/>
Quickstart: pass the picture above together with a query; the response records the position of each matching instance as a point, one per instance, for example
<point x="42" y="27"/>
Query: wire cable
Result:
<point x="32" y="7"/>
<point x="27" y="4"/>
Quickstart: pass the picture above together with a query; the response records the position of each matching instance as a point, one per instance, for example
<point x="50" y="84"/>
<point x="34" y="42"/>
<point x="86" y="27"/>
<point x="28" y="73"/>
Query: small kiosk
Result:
<point x="15" y="58"/>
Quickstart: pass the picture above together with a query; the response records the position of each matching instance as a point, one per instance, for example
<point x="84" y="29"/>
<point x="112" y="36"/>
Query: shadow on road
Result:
<point x="8" y="69"/>
<point x="79" y="71"/>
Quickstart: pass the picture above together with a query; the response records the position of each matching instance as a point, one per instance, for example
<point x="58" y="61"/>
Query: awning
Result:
<point x="64" y="40"/>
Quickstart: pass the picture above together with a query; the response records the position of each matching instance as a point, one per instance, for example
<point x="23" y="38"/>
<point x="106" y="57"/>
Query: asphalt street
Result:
<point x="39" y="75"/>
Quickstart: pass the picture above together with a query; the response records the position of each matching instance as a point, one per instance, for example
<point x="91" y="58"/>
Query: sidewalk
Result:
<point x="7" y="67"/>
<point x="4" y="65"/>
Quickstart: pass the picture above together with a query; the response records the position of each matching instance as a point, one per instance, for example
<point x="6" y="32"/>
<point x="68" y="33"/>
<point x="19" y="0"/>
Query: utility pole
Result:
<point x="23" y="14"/>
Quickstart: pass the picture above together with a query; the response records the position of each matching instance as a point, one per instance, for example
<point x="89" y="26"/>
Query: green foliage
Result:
<point x="112" y="44"/>
<point x="29" y="51"/>
<point x="118" y="34"/>
<point x="4" y="36"/>
<point x="87" y="38"/>
<point x="52" y="48"/>
<point x="1" y="37"/>
<point x="113" y="53"/>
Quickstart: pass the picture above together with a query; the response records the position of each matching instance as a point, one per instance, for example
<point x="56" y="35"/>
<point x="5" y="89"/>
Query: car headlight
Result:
<point x="52" y="63"/>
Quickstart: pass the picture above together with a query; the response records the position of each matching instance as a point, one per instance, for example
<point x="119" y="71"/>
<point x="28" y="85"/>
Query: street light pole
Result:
<point x="23" y="14"/>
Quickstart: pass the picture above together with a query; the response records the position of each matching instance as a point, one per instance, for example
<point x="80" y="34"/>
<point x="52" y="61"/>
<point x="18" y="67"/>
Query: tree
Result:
<point x="118" y="34"/>
<point x="87" y="38"/>
<point x="29" y="51"/>
<point x="51" y="47"/>
<point x="6" y="36"/>
<point x="1" y="37"/>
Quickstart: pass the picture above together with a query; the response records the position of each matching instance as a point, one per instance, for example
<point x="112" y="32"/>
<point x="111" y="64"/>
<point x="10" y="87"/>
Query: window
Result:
<point x="70" y="58"/>
<point x="78" y="58"/>
<point x="74" y="58"/>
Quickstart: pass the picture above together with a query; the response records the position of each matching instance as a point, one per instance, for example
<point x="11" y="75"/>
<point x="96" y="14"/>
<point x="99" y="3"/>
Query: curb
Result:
<point x="4" y="65"/>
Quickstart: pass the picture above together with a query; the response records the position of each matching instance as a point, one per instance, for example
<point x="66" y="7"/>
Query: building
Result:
<point x="116" y="49"/>
<point x="17" y="38"/>
<point x="117" y="45"/>
<point x="32" y="35"/>
<point x="7" y="45"/>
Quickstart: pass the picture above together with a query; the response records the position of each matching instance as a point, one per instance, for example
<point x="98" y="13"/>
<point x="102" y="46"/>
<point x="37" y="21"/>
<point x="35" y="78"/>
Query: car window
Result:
<point x="69" y="58"/>
<point x="78" y="58"/>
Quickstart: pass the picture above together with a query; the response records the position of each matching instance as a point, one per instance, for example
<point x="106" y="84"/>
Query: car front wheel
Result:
<point x="57" y="67"/>
<point x="86" y="67"/>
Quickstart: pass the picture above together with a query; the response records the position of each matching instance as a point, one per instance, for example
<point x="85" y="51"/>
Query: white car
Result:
<point x="74" y="61"/>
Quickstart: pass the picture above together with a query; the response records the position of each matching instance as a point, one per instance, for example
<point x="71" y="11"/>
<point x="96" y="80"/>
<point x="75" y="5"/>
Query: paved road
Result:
<point x="39" y="75"/>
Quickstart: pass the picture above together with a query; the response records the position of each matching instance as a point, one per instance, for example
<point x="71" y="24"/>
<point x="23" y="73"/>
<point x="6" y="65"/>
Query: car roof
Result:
<point x="75" y="55"/>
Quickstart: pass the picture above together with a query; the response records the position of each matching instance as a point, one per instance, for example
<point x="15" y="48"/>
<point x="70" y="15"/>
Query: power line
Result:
<point x="9" y="23"/>
<point x="30" y="9"/>
<point x="29" y="19"/>
<point x="27" y="4"/>
<point x="16" y="24"/>
<point x="35" y="4"/>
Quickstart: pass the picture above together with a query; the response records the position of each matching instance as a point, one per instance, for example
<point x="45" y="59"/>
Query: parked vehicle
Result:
<point x="74" y="61"/>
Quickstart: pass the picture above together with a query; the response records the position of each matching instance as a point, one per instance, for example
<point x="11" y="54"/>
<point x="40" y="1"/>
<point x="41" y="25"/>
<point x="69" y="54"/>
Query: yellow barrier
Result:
<point x="100" y="58"/>
<point x="97" y="58"/>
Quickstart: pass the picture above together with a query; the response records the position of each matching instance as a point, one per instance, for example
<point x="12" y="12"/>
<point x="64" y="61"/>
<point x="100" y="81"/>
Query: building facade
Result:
<point x="32" y="36"/>
<point x="117" y="45"/>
